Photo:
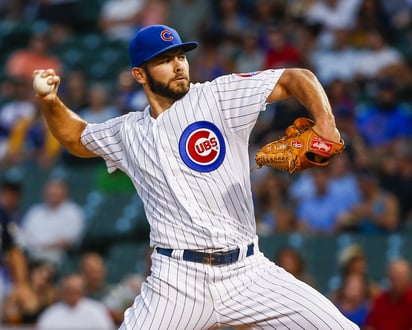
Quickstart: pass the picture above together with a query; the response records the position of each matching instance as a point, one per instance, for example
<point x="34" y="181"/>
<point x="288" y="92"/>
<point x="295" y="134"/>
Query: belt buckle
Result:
<point x="208" y="259"/>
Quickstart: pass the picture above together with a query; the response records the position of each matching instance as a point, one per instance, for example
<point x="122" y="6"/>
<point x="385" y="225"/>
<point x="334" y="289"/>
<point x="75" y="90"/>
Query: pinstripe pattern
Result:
<point x="252" y="294"/>
<point x="190" y="206"/>
<point x="187" y="209"/>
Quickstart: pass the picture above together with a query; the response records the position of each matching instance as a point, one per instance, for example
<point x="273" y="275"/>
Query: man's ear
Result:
<point x="139" y="75"/>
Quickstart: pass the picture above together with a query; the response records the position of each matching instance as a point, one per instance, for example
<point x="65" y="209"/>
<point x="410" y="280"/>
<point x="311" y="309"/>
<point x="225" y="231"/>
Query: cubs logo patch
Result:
<point x="202" y="146"/>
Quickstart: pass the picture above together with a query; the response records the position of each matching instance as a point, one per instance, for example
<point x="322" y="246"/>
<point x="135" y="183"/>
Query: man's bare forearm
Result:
<point x="65" y="124"/>
<point x="17" y="263"/>
<point x="303" y="85"/>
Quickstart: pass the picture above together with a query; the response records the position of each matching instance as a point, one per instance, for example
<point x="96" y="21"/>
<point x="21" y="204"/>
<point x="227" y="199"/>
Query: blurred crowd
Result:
<point x="360" y="50"/>
<point x="369" y="304"/>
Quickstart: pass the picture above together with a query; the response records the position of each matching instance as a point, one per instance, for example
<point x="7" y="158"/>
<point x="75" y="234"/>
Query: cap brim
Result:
<point x="186" y="46"/>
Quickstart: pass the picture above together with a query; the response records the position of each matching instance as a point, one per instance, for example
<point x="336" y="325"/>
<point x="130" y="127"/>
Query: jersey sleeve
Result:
<point x="243" y="96"/>
<point x="106" y="140"/>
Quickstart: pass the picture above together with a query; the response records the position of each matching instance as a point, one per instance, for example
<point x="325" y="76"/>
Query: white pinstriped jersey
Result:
<point x="190" y="165"/>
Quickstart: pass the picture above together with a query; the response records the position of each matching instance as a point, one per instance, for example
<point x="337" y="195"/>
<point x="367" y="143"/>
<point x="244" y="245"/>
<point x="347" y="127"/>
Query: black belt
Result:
<point x="217" y="258"/>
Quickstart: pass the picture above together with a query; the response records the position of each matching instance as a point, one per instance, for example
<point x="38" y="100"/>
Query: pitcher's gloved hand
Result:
<point x="299" y="149"/>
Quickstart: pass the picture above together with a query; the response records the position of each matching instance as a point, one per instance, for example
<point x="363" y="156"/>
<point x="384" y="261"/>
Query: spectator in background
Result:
<point x="120" y="19"/>
<point x="93" y="270"/>
<point x="392" y="308"/>
<point x="293" y="262"/>
<point x="189" y="17"/>
<point x="353" y="298"/>
<point x="51" y="227"/>
<point x="302" y="187"/>
<point x="262" y="15"/>
<point x="377" y="212"/>
<point x="352" y="291"/>
<point x="18" y="108"/>
<point x="385" y="120"/>
<point x="319" y="213"/>
<point x="27" y="311"/>
<point x="12" y="12"/>
<point x="399" y="13"/>
<point x="74" y="89"/>
<point x="8" y="89"/>
<point x="324" y="60"/>
<point x="352" y="261"/>
<point x="280" y="52"/>
<point x="99" y="109"/>
<point x="228" y="19"/>
<point x="30" y="139"/>
<point x="250" y="57"/>
<point x="22" y="62"/>
<point x="127" y="97"/>
<point x="371" y="15"/>
<point x="395" y="174"/>
<point x="23" y="133"/>
<point x="273" y="212"/>
<point x="378" y="57"/>
<point x="332" y="15"/>
<point x="13" y="264"/>
<point x="343" y="182"/>
<point x="62" y="16"/>
<point x="74" y="310"/>
<point x="208" y="62"/>
<point x="154" y="12"/>
<point x="11" y="191"/>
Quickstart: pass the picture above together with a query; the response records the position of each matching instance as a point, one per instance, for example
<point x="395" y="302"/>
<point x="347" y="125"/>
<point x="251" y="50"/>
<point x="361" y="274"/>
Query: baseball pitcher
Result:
<point x="187" y="155"/>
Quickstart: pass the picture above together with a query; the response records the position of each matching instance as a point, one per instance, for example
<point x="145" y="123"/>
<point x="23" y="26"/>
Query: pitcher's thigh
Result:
<point x="274" y="299"/>
<point x="174" y="298"/>
<point x="302" y="307"/>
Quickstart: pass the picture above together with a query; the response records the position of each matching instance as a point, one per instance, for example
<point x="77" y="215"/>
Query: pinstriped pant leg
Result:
<point x="258" y="294"/>
<point x="253" y="293"/>
<point x="175" y="296"/>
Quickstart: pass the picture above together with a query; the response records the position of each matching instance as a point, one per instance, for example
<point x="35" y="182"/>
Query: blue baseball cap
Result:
<point x="153" y="40"/>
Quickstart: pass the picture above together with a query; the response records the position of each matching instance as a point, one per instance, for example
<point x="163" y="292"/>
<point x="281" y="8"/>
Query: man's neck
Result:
<point x="158" y="105"/>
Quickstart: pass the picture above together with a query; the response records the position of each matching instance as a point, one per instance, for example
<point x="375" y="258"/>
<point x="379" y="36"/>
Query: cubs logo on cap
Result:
<point x="153" y="40"/>
<point x="202" y="146"/>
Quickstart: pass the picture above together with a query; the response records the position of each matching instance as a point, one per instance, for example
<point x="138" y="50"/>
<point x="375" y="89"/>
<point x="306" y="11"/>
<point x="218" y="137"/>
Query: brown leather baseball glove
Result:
<point x="299" y="149"/>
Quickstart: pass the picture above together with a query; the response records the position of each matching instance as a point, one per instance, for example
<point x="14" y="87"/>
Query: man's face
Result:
<point x="168" y="75"/>
<point x="399" y="275"/>
<point x="55" y="193"/>
<point x="72" y="290"/>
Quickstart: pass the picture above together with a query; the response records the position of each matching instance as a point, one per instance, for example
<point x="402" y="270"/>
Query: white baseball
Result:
<point x="40" y="84"/>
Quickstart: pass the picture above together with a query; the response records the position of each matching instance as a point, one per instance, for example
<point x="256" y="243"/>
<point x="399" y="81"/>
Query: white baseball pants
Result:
<point x="252" y="293"/>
